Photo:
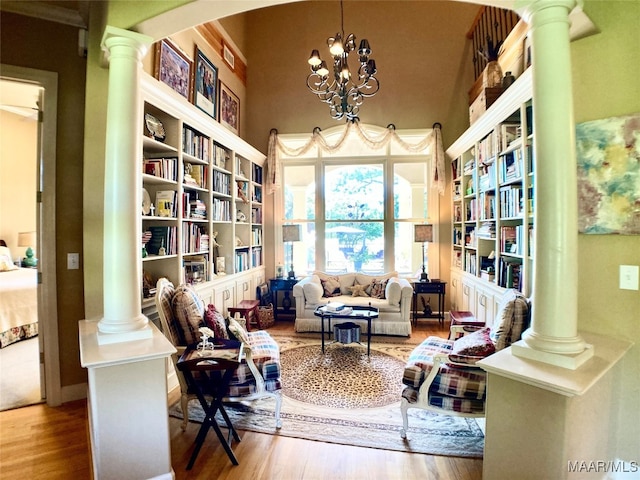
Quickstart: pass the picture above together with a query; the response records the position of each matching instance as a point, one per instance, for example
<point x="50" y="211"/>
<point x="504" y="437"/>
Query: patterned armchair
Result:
<point x="441" y="375"/>
<point x="182" y="313"/>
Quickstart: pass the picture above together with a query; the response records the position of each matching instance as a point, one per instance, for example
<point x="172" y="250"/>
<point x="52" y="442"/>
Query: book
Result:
<point x="166" y="203"/>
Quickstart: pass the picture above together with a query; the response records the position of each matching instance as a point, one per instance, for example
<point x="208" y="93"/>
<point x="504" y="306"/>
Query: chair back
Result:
<point x="164" y="299"/>
<point x="512" y="319"/>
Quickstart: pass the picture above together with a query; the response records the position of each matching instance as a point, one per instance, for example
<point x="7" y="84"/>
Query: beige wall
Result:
<point x="43" y="45"/>
<point x="18" y="181"/>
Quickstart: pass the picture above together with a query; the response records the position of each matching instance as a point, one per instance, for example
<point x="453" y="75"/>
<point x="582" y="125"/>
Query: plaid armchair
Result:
<point x="182" y="313"/>
<point x="441" y="375"/>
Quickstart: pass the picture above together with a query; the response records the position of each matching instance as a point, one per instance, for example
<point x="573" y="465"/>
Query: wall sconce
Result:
<point x="423" y="234"/>
<point x="291" y="233"/>
<point x="27" y="239"/>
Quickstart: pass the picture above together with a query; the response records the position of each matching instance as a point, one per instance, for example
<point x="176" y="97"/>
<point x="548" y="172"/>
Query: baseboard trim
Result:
<point x="75" y="392"/>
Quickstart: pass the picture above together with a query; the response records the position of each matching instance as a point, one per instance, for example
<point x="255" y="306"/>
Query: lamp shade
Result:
<point x="423" y="233"/>
<point x="291" y="233"/>
<point x="26" y="239"/>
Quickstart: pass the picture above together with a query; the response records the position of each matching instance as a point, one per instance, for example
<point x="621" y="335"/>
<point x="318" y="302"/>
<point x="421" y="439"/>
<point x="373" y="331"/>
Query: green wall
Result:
<point x="606" y="78"/>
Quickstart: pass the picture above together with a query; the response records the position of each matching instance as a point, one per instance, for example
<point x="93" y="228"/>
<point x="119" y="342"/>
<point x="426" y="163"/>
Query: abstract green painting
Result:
<point x="608" y="157"/>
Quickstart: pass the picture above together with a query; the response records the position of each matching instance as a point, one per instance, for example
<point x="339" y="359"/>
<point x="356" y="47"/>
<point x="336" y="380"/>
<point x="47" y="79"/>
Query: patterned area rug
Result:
<point x="322" y="404"/>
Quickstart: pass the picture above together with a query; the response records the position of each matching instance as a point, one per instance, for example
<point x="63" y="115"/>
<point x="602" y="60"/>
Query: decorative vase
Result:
<point x="507" y="80"/>
<point x="492" y="75"/>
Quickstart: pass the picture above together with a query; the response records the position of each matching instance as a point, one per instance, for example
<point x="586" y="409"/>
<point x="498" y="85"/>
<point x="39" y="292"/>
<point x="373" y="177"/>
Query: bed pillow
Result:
<point x="6" y="262"/>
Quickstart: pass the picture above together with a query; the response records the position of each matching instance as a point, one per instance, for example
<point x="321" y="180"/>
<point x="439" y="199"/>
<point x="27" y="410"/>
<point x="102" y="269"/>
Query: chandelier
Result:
<point x="341" y="92"/>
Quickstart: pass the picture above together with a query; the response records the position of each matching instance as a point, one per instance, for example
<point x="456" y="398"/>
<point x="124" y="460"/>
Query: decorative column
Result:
<point x="123" y="319"/>
<point x="553" y="336"/>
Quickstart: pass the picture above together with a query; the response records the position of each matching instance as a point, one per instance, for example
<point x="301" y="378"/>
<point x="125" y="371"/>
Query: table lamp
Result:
<point x="423" y="234"/>
<point x="26" y="239"/>
<point x="291" y="233"/>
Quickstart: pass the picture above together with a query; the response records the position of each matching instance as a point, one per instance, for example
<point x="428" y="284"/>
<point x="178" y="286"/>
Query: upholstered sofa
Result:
<point x="387" y="292"/>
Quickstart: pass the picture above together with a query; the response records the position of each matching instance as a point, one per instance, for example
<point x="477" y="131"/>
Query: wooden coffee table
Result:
<point x="358" y="313"/>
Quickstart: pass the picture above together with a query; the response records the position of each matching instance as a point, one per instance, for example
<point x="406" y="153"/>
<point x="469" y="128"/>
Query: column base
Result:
<point x="108" y="338"/>
<point x="571" y="361"/>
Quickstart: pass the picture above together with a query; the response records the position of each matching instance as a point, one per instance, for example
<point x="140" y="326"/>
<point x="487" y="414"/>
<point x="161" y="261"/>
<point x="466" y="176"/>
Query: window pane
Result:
<point x="299" y="192"/>
<point x="354" y="247"/>
<point x="410" y="190"/>
<point x="354" y="192"/>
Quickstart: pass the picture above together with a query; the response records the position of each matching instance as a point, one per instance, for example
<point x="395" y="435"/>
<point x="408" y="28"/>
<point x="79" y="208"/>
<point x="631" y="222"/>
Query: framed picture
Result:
<point x="173" y="68"/>
<point x="229" y="109"/>
<point x="205" y="84"/>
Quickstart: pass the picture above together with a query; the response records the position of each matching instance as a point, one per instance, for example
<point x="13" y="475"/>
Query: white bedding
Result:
<point x="18" y="305"/>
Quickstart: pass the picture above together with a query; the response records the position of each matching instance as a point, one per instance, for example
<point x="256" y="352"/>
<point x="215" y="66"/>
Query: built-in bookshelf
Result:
<point x="493" y="174"/>
<point x="201" y="194"/>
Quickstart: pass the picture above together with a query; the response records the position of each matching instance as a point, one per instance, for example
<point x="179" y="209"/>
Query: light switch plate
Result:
<point x="73" y="261"/>
<point x="629" y="277"/>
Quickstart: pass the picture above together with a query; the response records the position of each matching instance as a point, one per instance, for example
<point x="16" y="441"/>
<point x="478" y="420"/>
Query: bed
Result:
<point x="18" y="301"/>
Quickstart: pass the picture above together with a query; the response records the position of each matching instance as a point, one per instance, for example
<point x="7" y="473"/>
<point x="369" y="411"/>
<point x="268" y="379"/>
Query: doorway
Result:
<point x="29" y="360"/>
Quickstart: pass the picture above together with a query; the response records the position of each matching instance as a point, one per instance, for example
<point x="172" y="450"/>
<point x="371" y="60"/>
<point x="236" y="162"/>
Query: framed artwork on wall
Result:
<point x="205" y="84"/>
<point x="229" y="109"/>
<point x="173" y="68"/>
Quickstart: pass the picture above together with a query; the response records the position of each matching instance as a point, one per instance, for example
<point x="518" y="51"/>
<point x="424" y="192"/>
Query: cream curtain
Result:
<point x="431" y="144"/>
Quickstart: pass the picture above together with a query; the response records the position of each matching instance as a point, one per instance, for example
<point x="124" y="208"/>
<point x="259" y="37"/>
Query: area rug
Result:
<point x="323" y="405"/>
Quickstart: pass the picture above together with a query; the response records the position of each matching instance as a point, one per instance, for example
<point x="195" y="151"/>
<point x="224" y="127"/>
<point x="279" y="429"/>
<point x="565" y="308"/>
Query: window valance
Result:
<point x="429" y="144"/>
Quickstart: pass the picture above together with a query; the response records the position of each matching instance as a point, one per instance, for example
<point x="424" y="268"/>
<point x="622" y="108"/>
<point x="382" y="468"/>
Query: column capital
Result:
<point x="115" y="37"/>
<point x="538" y="12"/>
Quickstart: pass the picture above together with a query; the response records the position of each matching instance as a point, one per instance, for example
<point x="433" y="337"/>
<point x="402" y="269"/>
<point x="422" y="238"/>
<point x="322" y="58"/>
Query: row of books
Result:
<point x="166" y="203"/>
<point x="257" y="173"/>
<point x="163" y="240"/>
<point x="488" y="202"/>
<point x="221" y="183"/>
<point x="510" y="274"/>
<point x="194" y="238"/>
<point x="512" y="239"/>
<point x="487" y="179"/>
<point x="511" y="201"/>
<point x="166" y="168"/>
<point x="193" y="207"/>
<point x="256" y="236"/>
<point x="486" y="230"/>
<point x="510" y="166"/>
<point x="256" y="215"/>
<point x="195" y="175"/>
<point x="470" y="264"/>
<point x="242" y="261"/>
<point x="256" y="256"/>
<point x="220" y="156"/>
<point x="239" y="170"/>
<point x="195" y="144"/>
<point x="257" y="194"/>
<point x="221" y="210"/>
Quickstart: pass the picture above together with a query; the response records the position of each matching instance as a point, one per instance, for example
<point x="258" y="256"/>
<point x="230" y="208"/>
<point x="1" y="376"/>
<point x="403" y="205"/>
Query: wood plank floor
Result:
<point x="40" y="442"/>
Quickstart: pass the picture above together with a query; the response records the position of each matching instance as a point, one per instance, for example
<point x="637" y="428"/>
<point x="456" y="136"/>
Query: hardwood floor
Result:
<point x="40" y="442"/>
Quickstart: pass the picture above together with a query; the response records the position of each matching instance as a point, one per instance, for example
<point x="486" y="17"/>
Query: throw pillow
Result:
<point x="216" y="322"/>
<point x="238" y="331"/>
<point x="377" y="288"/>
<point x="188" y="310"/>
<point x="313" y="291"/>
<point x="358" y="290"/>
<point x="331" y="286"/>
<point x="476" y="344"/>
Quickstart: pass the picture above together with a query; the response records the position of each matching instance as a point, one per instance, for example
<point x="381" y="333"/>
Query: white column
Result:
<point x="123" y="320"/>
<point x="553" y="335"/>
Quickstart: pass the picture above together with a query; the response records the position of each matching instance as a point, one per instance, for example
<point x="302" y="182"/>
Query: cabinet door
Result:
<point x="225" y="296"/>
<point x="456" y="291"/>
<point x="484" y="306"/>
<point x="245" y="290"/>
<point x="468" y="297"/>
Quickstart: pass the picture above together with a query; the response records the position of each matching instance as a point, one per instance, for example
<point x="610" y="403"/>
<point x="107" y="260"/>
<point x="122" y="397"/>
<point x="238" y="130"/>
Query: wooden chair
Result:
<point x="181" y="314"/>
<point x="441" y="374"/>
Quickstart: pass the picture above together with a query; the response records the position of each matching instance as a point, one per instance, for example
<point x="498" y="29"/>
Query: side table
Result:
<point x="435" y="287"/>
<point x="208" y="375"/>
<point x="247" y="309"/>
<point x="282" y="285"/>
